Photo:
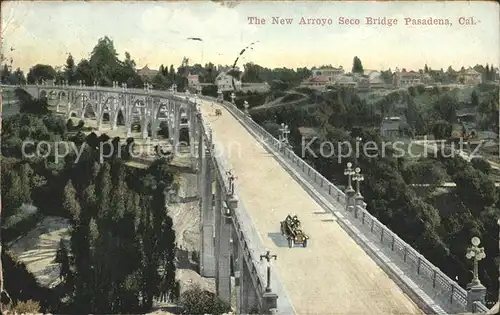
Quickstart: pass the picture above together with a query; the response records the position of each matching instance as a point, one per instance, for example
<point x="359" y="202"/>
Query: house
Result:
<point x="308" y="132"/>
<point x="405" y="79"/>
<point x="391" y="127"/>
<point x="147" y="73"/>
<point x="317" y="82"/>
<point x="224" y="82"/>
<point x="470" y="77"/>
<point x="193" y="80"/>
<point x="327" y="72"/>
<point x="346" y="81"/>
<point x="362" y="83"/>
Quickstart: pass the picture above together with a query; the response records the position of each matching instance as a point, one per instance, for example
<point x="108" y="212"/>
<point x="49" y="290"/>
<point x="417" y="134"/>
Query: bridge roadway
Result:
<point x="332" y="275"/>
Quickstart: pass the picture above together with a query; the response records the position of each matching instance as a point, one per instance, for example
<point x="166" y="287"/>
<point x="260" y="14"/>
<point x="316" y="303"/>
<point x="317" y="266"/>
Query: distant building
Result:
<point x="404" y="79"/>
<point x="327" y="72"/>
<point x="147" y="73"/>
<point x="193" y="80"/>
<point x="317" y="82"/>
<point x="346" y="81"/>
<point x="224" y="82"/>
<point x="470" y="77"/>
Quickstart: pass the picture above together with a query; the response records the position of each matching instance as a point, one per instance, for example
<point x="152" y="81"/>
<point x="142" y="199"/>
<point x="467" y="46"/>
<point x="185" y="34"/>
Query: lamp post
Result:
<point x="231" y="178"/>
<point x="476" y="292"/>
<point x="358" y="178"/>
<point x="284" y="134"/>
<point x="268" y="257"/>
<point x="358" y="198"/>
<point x="246" y="106"/>
<point x="349" y="192"/>
<point x="475" y="253"/>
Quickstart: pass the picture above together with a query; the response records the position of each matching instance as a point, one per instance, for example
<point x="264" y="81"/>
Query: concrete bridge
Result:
<point x="353" y="264"/>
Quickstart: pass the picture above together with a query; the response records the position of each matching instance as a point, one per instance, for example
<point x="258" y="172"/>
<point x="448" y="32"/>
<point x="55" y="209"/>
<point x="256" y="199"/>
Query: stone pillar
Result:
<point x="270" y="303"/>
<point x="475" y="293"/>
<point x="349" y="195"/>
<point x="207" y="254"/>
<point x="358" y="202"/>
<point x="249" y="299"/>
<point x="224" y="251"/>
<point x="218" y="212"/>
<point x="236" y="269"/>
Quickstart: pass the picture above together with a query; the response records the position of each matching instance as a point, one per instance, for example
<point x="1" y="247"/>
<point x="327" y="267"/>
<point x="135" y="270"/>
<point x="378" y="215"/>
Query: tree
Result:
<point x="70" y="69"/>
<point x="40" y="72"/>
<point x="62" y="259"/>
<point x="104" y="62"/>
<point x="84" y="72"/>
<point x="441" y="129"/>
<point x="70" y="203"/>
<point x="481" y="164"/>
<point x="474" y="99"/>
<point x="197" y="301"/>
<point x="357" y="66"/>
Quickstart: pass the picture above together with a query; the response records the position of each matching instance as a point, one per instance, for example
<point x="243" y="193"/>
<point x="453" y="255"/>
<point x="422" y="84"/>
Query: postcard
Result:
<point x="250" y="157"/>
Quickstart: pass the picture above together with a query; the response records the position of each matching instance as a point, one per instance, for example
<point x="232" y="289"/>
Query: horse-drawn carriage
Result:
<point x="292" y="230"/>
<point x="218" y="112"/>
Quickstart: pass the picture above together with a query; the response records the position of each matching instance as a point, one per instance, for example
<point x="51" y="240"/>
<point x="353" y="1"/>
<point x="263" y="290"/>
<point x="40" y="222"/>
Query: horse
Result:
<point x="218" y="112"/>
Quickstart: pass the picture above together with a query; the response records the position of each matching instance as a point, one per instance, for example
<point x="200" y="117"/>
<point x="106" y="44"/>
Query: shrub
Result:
<point x="25" y="307"/>
<point x="197" y="301"/>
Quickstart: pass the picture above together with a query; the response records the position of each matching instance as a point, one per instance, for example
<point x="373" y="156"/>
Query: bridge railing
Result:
<point x="251" y="243"/>
<point x="436" y="284"/>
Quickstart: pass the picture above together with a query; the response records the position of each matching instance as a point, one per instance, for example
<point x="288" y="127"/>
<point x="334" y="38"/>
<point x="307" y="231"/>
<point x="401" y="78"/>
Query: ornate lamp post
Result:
<point x="358" y="177"/>
<point x="476" y="254"/>
<point x="268" y="257"/>
<point x="349" y="192"/>
<point x="358" y="198"/>
<point x="284" y="134"/>
<point x="246" y="106"/>
<point x="476" y="292"/>
<point x="233" y="97"/>
<point x="231" y="178"/>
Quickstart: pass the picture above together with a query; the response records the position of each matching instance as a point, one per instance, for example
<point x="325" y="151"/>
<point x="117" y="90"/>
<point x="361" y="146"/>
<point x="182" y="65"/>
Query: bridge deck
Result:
<point x="333" y="275"/>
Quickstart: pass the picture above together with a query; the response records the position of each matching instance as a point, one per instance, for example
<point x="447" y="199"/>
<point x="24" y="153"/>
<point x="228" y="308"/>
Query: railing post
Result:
<point x="382" y="235"/>
<point x="419" y="262"/>
<point x="452" y="292"/>
<point x="405" y="253"/>
<point x="393" y="241"/>
<point x="434" y="275"/>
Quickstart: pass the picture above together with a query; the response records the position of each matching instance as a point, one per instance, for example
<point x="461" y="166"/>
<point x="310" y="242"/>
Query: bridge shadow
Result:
<point x="278" y="239"/>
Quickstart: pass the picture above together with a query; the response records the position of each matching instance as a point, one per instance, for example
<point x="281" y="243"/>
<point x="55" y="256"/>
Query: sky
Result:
<point x="156" y="33"/>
